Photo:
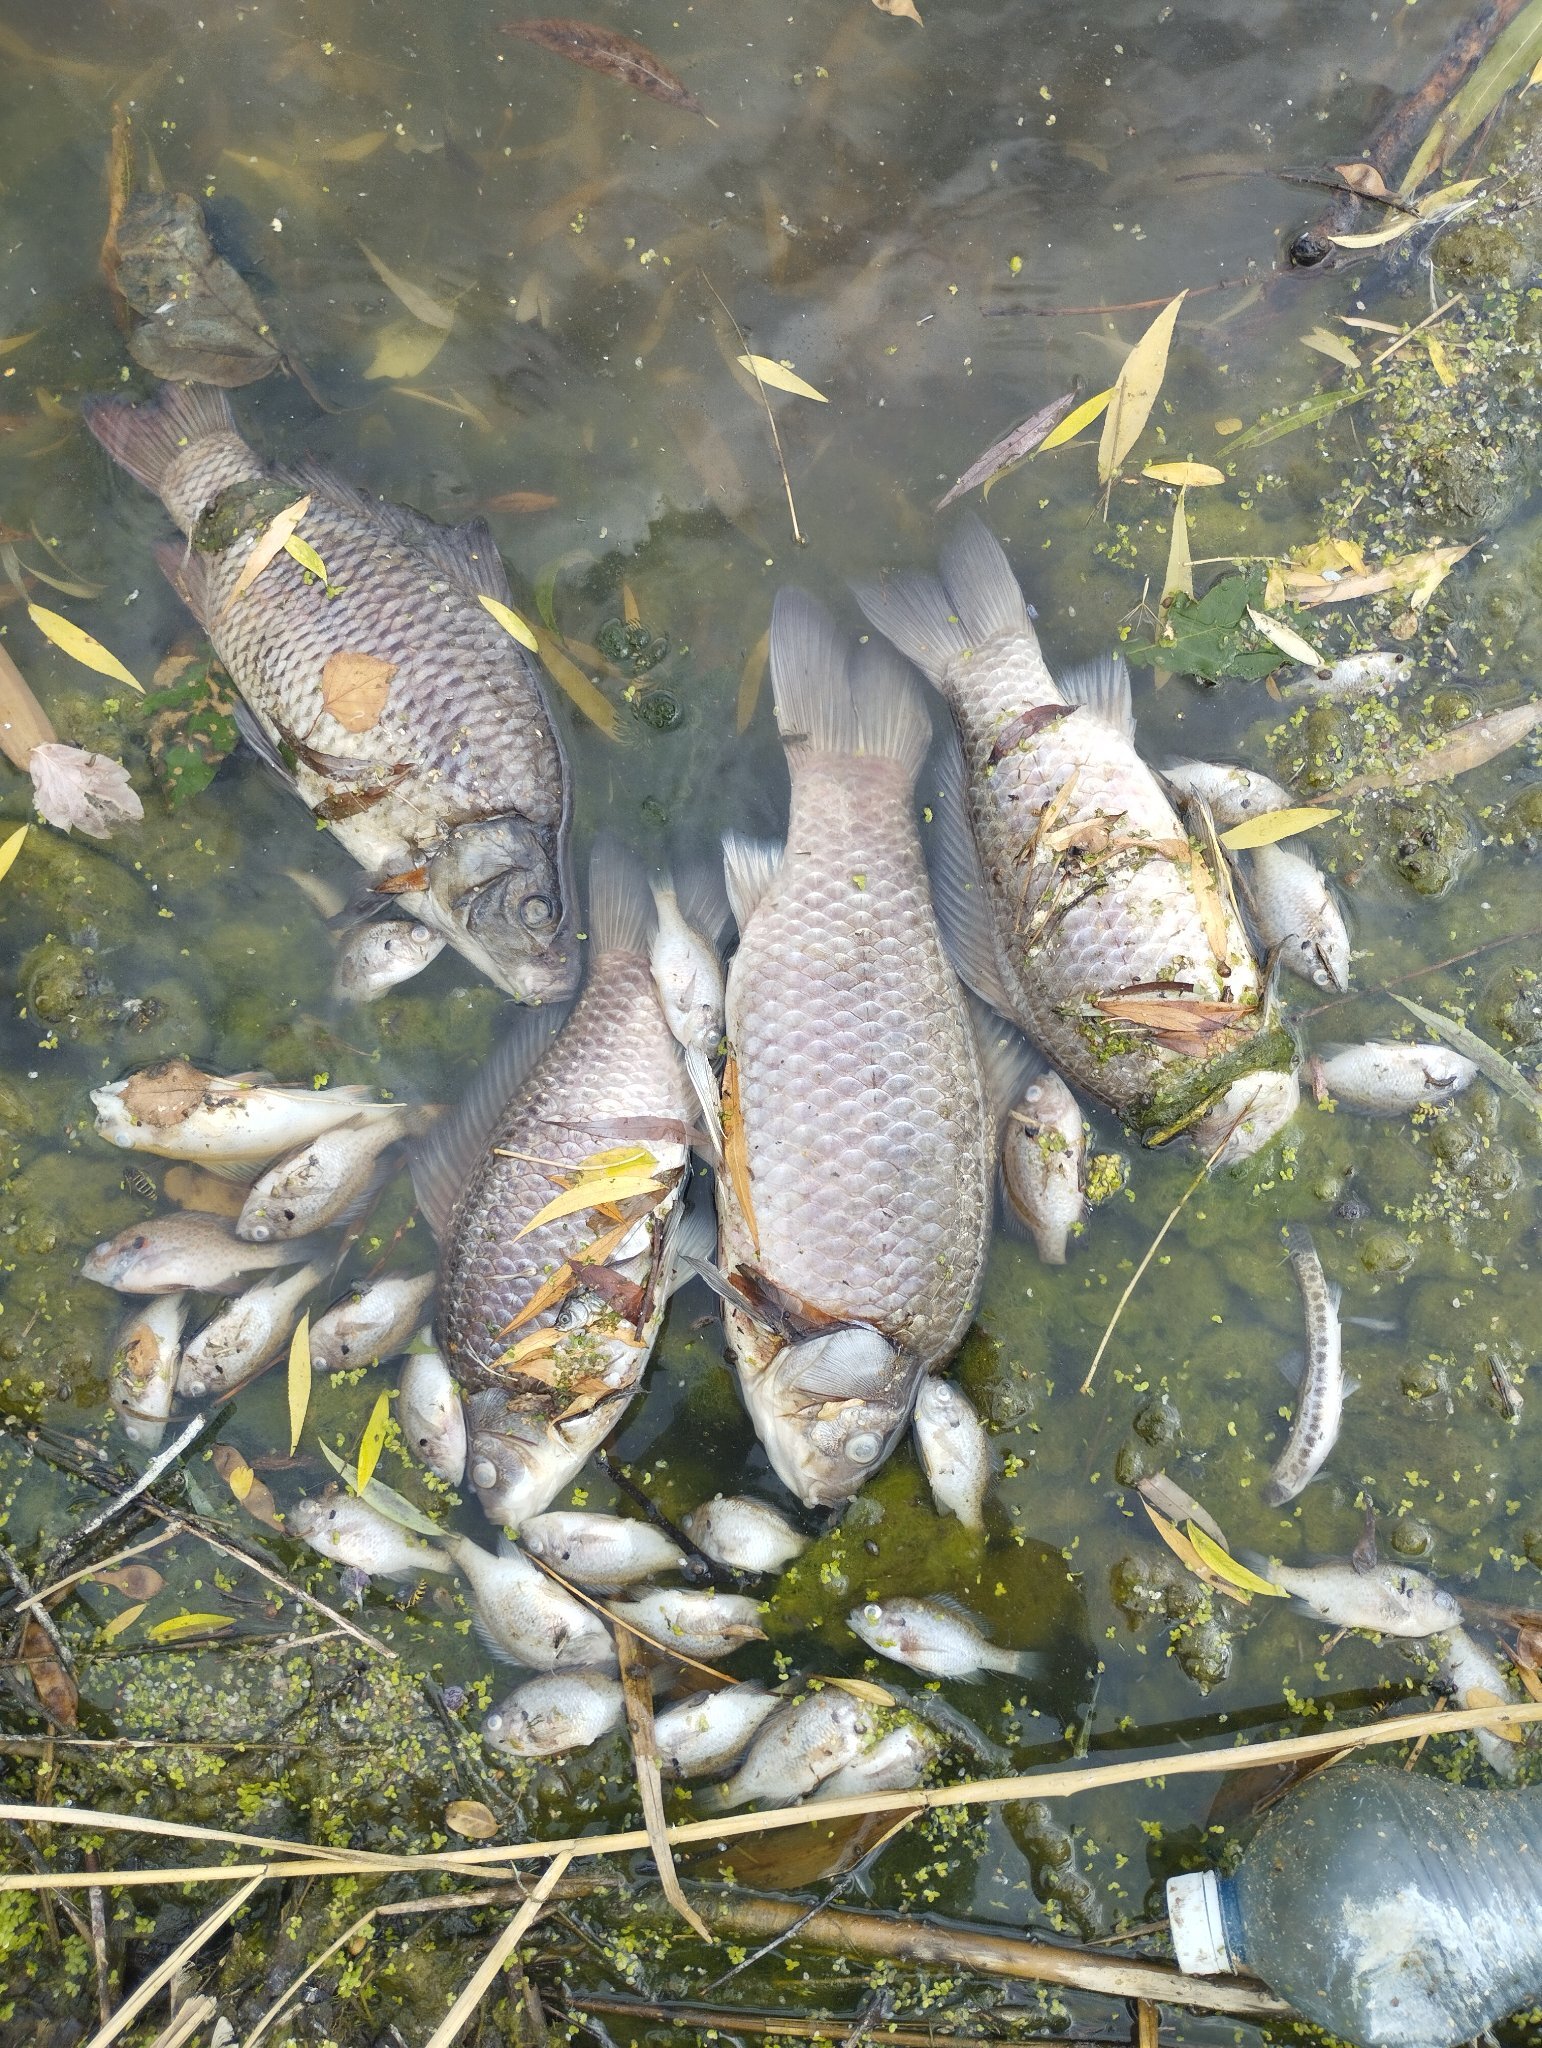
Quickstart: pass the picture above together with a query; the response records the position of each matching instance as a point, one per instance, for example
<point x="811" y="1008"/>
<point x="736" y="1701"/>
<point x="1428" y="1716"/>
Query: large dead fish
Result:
<point x="855" y="1199"/>
<point x="549" y="1328"/>
<point x="1091" y="918"/>
<point x="386" y="696"/>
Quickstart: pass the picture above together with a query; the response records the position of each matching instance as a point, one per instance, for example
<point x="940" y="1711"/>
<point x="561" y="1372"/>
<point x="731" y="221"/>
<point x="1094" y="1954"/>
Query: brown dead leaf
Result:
<point x="469" y="1817"/>
<point x="55" y="1689"/>
<point x="249" y="1490"/>
<point x="589" y="1392"/>
<point x="1027" y="725"/>
<point x="133" y="1581"/>
<point x="354" y="688"/>
<point x="1364" y="179"/>
<point x="191" y="1188"/>
<point x="521" y="501"/>
<point x="1182" y="1024"/>
<point x="1467" y="746"/>
<point x="611" y="54"/>
<point x="736" y="1151"/>
<point x="905" y="9"/>
<point x="627" y="1297"/>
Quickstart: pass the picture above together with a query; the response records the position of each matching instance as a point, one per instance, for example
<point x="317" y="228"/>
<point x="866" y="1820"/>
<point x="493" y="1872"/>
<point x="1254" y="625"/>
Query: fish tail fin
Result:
<point x="621" y="915"/>
<point x="917" y="616"/>
<point x="892" y="719"/>
<point x="984" y="593"/>
<point x="931" y="622"/>
<point x="146" y="439"/>
<point x="711" y="1800"/>
<point x="1017" y="1663"/>
<point x="749" y="869"/>
<point x="809" y="680"/>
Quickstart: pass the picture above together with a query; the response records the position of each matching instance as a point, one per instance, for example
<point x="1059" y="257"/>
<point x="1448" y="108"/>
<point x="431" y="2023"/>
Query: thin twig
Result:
<point x="1417" y="973"/>
<point x="103" y="1564"/>
<point x="776" y="439"/>
<point x="1456" y="299"/>
<point x="98" y="1911"/>
<point x="110" y="1510"/>
<point x="704" y="2021"/>
<point x="296" y="1592"/>
<point x="676" y="1656"/>
<point x="449" y="2028"/>
<point x="1156" y="1245"/>
<point x="292" y="1991"/>
<point x="195" y="2014"/>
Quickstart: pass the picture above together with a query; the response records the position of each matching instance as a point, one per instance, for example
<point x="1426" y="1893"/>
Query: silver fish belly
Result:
<point x="389" y="698"/>
<point x="1320" y="1402"/>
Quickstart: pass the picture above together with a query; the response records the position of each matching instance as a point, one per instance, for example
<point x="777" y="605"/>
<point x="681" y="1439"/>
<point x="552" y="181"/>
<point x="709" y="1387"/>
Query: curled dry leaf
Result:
<point x="71" y="787"/>
<point x="354" y="688"/>
<point x="609" y="53"/>
<point x="905" y="9"/>
<point x="469" y="1817"/>
<point x="133" y="1581"/>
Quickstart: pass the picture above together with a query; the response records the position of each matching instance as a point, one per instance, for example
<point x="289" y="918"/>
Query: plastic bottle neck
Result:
<point x="1206" y="1923"/>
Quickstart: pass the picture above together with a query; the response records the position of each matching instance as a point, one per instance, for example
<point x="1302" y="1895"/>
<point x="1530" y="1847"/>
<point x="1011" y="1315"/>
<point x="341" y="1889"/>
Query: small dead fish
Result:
<point x="187" y="1250"/>
<point x="431" y="1416"/>
<point x="178" y="1112"/>
<point x="1476" y="1680"/>
<point x="895" y="1762"/>
<point x="744" y="1534"/>
<point x="329" y="1182"/>
<point x="142" y="1377"/>
<point x="521" y="1615"/>
<point x="1295" y="913"/>
<point x="1231" y="793"/>
<point x="1358" y="675"/>
<point x="701" y="1624"/>
<point x="351" y="1532"/>
<point x="954" y="1450"/>
<point x="689" y="978"/>
<point x="707" y="1734"/>
<point x="1389" y="1599"/>
<point x="373" y="1325"/>
<point x="246" y="1337"/>
<point x="376" y="957"/>
<point x="559" y="1711"/>
<point x="1044" y="1164"/>
<point x="796" y="1750"/>
<point x="602" y="1553"/>
<point x="1387" y="1078"/>
<point x="935" y="1637"/>
<point x="1319" y="1412"/>
<point x="517" y="1462"/>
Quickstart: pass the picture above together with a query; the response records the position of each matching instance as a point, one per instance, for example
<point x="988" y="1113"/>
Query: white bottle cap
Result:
<point x="1198" y="1928"/>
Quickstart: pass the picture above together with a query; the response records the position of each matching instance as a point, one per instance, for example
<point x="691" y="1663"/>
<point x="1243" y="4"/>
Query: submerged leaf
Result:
<point x="79" y="645"/>
<point x="1327" y="343"/>
<point x="570" y="679"/>
<point x="299" y="1379"/>
<point x="751" y="676"/>
<point x="1467" y="746"/>
<point x="905" y="9"/>
<point x="1270" y="826"/>
<point x="133" y="1581"/>
<point x="1011" y="449"/>
<point x="254" y="1494"/>
<point x="56" y="1690"/>
<point x="511" y="622"/>
<point x="419" y="303"/>
<point x="469" y="1817"/>
<point x="115" y="1628"/>
<point x="199" y="320"/>
<point x="611" y="54"/>
<point x="1135" y="391"/>
<point x="404" y="349"/>
<point x="1490" y="1062"/>
<point x="178" y="1625"/>
<point x="354" y="688"/>
<point x="779" y="377"/>
<point x="72" y="787"/>
<point x="1186" y="475"/>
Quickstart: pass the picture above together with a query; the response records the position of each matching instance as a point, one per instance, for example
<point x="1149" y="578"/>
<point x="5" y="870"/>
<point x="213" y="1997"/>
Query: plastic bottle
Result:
<point x="1395" y="1910"/>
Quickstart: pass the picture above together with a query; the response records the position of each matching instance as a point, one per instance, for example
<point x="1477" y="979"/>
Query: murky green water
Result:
<point x="907" y="215"/>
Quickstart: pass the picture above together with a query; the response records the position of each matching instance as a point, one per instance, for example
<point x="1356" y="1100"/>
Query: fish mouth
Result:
<point x="1251" y="1112"/>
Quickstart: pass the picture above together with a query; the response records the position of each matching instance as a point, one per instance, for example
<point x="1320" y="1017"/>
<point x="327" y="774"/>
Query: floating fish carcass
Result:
<point x="1094" y="921"/>
<point x="177" y="1111"/>
<point x="386" y="695"/>
<point x="855" y="1199"/>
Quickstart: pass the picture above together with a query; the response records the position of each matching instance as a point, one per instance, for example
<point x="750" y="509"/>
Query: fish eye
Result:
<point x="420" y="935"/>
<point x="863" y="1448"/>
<point x="484" y="1473"/>
<point x="872" y="1611"/>
<point x="493" y="1725"/>
<point x="536" y="912"/>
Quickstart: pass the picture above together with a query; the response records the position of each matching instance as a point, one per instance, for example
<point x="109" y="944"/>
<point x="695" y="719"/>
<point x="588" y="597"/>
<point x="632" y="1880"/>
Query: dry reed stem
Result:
<point x="197" y="2012"/>
<point x="776" y="439"/>
<point x="637" y="1692"/>
<point x="449" y="2028"/>
<point x="727" y="2021"/>
<point x="102" y="1564"/>
<point x="163" y="1973"/>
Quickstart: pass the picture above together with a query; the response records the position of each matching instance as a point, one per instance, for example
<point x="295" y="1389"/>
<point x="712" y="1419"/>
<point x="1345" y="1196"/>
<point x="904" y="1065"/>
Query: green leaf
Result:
<point x="382" y="1497"/>
<point x="1307" y="414"/>
<point x="1507" y="1078"/>
<point x="1207" y="636"/>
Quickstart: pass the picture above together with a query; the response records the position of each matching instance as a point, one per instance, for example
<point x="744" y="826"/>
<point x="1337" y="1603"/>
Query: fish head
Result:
<point x="122" y="1260"/>
<point x="508" y="906"/>
<point x="1253" y="1110"/>
<point x="375" y="957"/>
<point x="879" y="1629"/>
<point x="114" y="1120"/>
<point x="829" y="1409"/>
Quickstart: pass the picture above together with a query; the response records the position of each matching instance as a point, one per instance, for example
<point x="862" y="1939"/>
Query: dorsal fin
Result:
<point x="700" y="893"/>
<point x="749" y="869"/>
<point x="1102" y="688"/>
<point x="960" y="892"/>
<point x="442" y="1163"/>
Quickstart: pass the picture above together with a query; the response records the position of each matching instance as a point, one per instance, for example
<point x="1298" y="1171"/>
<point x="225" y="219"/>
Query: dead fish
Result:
<point x="708" y="1733"/>
<point x="1232" y="794"/>
<point x="1044" y="1164"/>
<point x="894" y="1763"/>
<point x="1389" y="1599"/>
<point x="744" y="1534"/>
<point x="518" y="1459"/>
<point x="689" y="978"/>
<point x="1076" y="882"/>
<point x="955" y="1451"/>
<point x="376" y="957"/>
<point x="387" y="696"/>
<point x="430" y="1414"/>
<point x="178" y="1112"/>
<point x="1389" y="1078"/>
<point x="1476" y="1680"/>
<point x="700" y="1624"/>
<point x="187" y="1250"/>
<point x="371" y="1325"/>
<point x="246" y="1337"/>
<point x="1372" y="674"/>
<point x="1319" y="1412"/>
<point x="142" y="1375"/>
<point x="351" y="1532"/>
<point x="601" y="1553"/>
<point x="557" y="1712"/>
<point x="522" y="1615"/>
<point x="935" y="1636"/>
<point x="1294" y="914"/>
<point x="329" y="1183"/>
<point x="805" y="1742"/>
<point x="858" y="1176"/>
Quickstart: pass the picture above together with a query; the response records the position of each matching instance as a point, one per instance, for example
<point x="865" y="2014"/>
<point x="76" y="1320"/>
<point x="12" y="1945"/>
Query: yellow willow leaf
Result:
<point x="461" y="407"/>
<point x="511" y="622"/>
<point x="12" y="846"/>
<point x="750" y="679"/>
<point x="404" y="349"/>
<point x="8" y="342"/>
<point x="302" y="552"/>
<point x="268" y="545"/>
<point x="779" y="378"/>
<point x="589" y="1193"/>
<point x="1072" y="424"/>
<point x="861" y="1689"/>
<point x="572" y="681"/>
<point x="126" y="1619"/>
<point x="616" y="1157"/>
<point x="630" y="615"/>
<point x="1269" y="826"/>
<point x="1225" y="1566"/>
<point x="417" y="301"/>
<point x="1180" y="563"/>
<point x="300" y="1376"/>
<point x="1187" y="475"/>
<point x="175" y="1625"/>
<point x="1135" y="391"/>
<point x="1440" y="359"/>
<point x="1189" y="1557"/>
<point x="1285" y="638"/>
<point x="79" y="645"/>
<point x="372" y="1443"/>
<point x="1327" y="343"/>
